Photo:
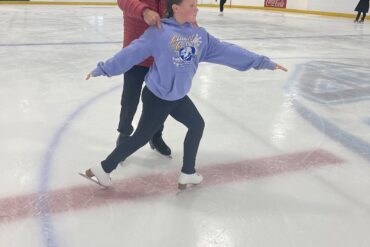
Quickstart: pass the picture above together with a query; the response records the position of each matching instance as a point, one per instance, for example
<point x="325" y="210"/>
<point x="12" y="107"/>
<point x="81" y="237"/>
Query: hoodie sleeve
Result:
<point x="135" y="53"/>
<point x="234" y="56"/>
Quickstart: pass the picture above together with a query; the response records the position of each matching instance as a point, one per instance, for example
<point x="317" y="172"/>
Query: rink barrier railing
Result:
<point x="310" y="12"/>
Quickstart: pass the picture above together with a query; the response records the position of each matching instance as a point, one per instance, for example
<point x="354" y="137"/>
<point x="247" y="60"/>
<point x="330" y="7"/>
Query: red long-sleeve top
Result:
<point x="133" y="22"/>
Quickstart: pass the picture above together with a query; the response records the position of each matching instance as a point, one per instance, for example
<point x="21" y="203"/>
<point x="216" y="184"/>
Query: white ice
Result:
<point x="54" y="124"/>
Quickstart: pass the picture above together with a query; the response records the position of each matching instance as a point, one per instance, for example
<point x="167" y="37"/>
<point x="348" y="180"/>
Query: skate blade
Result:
<point x="182" y="186"/>
<point x="167" y="156"/>
<point x="186" y="187"/>
<point x="154" y="149"/>
<point x="91" y="179"/>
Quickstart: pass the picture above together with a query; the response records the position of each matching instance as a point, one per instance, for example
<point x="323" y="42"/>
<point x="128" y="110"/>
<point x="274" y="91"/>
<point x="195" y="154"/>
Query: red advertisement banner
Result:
<point x="276" y="3"/>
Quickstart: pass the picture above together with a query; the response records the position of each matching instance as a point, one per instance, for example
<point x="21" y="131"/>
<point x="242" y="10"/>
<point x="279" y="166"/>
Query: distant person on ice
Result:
<point x="222" y="4"/>
<point x="362" y="7"/>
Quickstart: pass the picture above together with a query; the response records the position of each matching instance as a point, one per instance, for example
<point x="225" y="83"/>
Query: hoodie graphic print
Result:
<point x="186" y="49"/>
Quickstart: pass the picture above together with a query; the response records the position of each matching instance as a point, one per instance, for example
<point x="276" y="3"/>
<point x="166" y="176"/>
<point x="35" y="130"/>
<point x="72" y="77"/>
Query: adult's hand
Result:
<point x="152" y="18"/>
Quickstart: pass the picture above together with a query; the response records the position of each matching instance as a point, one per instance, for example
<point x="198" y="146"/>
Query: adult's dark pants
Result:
<point x="132" y="85"/>
<point x="155" y="111"/>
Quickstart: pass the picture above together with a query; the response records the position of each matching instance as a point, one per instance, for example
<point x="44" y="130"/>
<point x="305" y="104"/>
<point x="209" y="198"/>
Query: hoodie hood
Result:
<point x="172" y="22"/>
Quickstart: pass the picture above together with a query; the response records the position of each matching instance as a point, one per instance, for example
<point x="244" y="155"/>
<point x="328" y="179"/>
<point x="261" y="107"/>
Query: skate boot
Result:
<point x="189" y="179"/>
<point x="98" y="175"/>
<point x="361" y="22"/>
<point x="157" y="143"/>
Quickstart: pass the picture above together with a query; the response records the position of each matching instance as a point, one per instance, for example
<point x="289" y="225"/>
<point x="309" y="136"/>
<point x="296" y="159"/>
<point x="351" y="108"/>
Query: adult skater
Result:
<point x="178" y="47"/>
<point x="138" y="16"/>
<point x="362" y="7"/>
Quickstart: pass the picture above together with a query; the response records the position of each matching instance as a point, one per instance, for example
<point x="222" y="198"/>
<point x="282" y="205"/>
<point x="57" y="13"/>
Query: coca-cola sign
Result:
<point x="275" y="3"/>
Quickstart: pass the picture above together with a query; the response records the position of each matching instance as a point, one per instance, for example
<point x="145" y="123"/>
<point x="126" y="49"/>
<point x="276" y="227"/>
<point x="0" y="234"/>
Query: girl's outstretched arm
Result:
<point x="136" y="52"/>
<point x="235" y="56"/>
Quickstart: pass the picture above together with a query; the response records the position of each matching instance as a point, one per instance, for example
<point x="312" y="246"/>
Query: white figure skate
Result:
<point x="98" y="176"/>
<point x="189" y="179"/>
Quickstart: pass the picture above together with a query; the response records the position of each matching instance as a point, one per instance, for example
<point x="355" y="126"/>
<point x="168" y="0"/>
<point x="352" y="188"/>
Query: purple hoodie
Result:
<point x="177" y="50"/>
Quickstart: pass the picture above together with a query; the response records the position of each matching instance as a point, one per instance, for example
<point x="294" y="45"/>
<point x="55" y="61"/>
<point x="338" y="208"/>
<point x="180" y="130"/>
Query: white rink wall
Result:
<point x="335" y="6"/>
<point x="339" y="6"/>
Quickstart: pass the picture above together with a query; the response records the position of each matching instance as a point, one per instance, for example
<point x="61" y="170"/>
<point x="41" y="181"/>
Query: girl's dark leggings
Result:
<point x="154" y="114"/>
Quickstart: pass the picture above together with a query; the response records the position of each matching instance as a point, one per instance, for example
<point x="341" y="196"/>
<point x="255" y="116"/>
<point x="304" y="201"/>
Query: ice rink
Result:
<point x="285" y="156"/>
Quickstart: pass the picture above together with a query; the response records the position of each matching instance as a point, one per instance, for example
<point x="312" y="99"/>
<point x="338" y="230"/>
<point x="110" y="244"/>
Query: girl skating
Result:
<point x="177" y="47"/>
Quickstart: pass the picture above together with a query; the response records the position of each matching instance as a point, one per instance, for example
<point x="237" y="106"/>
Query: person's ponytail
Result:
<point x="169" y="10"/>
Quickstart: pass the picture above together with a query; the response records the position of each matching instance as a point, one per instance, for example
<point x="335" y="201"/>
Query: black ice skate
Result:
<point x="157" y="143"/>
<point x="98" y="176"/>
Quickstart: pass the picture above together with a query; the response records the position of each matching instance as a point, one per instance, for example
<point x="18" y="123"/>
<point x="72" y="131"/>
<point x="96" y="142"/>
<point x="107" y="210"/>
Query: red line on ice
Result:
<point x="81" y="197"/>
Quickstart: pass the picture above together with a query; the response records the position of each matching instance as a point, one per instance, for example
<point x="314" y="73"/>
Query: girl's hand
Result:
<point x="89" y="76"/>
<point x="278" y="66"/>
